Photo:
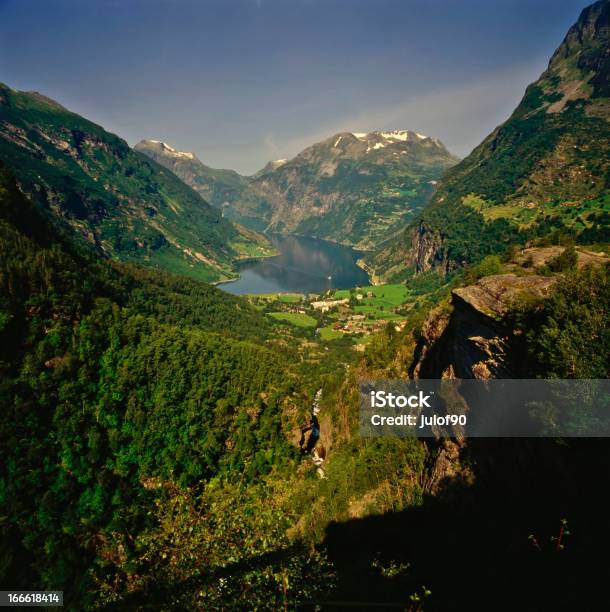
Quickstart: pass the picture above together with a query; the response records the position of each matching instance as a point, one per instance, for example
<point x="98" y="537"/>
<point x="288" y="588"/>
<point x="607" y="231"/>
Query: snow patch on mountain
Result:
<point x="391" y="135"/>
<point x="175" y="153"/>
<point x="377" y="145"/>
<point x="170" y="150"/>
<point x="395" y="135"/>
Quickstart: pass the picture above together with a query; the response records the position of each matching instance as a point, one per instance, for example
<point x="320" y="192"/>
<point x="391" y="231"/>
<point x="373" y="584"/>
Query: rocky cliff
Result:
<point x="469" y="338"/>
<point x="418" y="249"/>
<point x="471" y="341"/>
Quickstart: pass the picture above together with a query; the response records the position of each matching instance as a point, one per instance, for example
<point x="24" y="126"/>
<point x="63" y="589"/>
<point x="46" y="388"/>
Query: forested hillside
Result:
<point x="236" y="195"/>
<point x="166" y="445"/>
<point x="125" y="205"/>
<point x="150" y="450"/>
<point x="115" y="386"/>
<point x="546" y="168"/>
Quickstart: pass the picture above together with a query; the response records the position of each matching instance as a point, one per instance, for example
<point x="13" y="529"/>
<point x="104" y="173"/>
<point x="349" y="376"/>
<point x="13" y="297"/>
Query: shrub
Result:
<point x="565" y="261"/>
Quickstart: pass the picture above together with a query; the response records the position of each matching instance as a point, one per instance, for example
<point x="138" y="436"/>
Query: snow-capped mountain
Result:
<point x="225" y="189"/>
<point x="356" y="188"/>
<point x="167" y="149"/>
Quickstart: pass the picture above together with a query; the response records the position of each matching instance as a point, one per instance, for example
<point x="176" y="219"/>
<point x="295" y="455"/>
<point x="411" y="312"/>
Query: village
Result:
<point x="354" y="313"/>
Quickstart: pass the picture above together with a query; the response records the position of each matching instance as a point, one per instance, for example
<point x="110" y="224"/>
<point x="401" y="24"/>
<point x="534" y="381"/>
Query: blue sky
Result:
<point x="240" y="82"/>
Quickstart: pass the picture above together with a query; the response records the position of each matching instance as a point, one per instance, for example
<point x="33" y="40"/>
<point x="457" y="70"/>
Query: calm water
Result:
<point x="303" y="265"/>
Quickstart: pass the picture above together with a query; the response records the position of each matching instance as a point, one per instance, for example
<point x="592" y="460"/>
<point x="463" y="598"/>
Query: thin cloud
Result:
<point x="459" y="116"/>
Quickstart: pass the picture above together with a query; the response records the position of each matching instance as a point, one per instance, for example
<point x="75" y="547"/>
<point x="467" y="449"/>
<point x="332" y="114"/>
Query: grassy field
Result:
<point x="389" y="295"/>
<point x="289" y="298"/>
<point x="377" y="303"/>
<point x="294" y="318"/>
<point x="524" y="216"/>
<point x="328" y="333"/>
<point x="382" y="302"/>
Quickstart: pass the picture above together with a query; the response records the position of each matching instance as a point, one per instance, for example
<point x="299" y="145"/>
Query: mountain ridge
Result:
<point x="353" y="188"/>
<point x="117" y="200"/>
<point x="221" y="187"/>
<point x="545" y="168"/>
<point x="356" y="187"/>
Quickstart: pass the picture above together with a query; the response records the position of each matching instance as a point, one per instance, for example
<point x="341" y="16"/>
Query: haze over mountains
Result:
<point x="545" y="168"/>
<point x="353" y="188"/>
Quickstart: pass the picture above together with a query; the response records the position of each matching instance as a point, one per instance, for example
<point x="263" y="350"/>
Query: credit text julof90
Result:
<point x="381" y="399"/>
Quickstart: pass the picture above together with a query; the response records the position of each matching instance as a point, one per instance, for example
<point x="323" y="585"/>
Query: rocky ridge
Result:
<point x="468" y="338"/>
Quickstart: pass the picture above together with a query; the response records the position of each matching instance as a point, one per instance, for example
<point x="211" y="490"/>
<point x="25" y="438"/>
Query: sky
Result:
<point x="240" y="82"/>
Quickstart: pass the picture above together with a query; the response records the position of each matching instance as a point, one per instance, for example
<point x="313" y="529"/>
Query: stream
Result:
<point x="317" y="452"/>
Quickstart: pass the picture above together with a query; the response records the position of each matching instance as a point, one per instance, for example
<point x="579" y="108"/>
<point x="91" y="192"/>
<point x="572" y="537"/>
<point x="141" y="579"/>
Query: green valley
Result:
<point x="168" y="445"/>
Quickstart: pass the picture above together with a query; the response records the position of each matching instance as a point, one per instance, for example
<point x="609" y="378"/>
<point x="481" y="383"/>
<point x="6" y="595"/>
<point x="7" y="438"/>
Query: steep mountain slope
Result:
<point x="546" y="167"/>
<point x="235" y="194"/>
<point x="355" y="188"/>
<point x="114" y="378"/>
<point x="352" y="188"/>
<point x="117" y="199"/>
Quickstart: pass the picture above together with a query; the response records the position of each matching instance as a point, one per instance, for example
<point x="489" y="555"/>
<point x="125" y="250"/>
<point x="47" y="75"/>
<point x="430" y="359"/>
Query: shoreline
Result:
<point x="343" y="244"/>
<point x="359" y="262"/>
<point x="242" y="260"/>
<point x="249" y="258"/>
<point x="373" y="278"/>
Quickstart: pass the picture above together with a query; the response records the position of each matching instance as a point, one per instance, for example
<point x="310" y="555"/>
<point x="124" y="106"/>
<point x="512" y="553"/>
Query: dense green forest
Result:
<point x="157" y="445"/>
<point x="148" y="448"/>
<point x="140" y="406"/>
<point x="567" y="335"/>
<point x="114" y="377"/>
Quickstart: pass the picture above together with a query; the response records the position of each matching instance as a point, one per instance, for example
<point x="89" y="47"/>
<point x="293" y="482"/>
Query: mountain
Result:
<point x="352" y="188"/>
<point x="233" y="193"/>
<point x="163" y="441"/>
<point x="355" y="188"/>
<point x="151" y="421"/>
<point x="269" y="167"/>
<point x="118" y="200"/>
<point x="546" y="168"/>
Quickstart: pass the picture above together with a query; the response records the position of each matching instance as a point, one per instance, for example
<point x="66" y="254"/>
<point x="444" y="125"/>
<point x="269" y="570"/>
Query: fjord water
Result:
<point x="304" y="265"/>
